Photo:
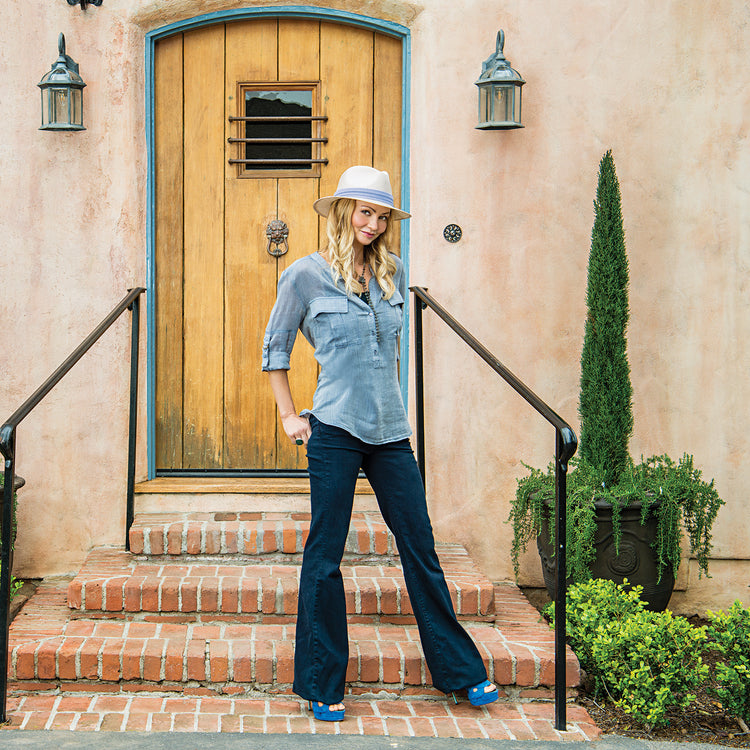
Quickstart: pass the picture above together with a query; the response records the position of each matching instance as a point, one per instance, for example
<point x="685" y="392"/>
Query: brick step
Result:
<point x="261" y="533"/>
<point x="49" y="647"/>
<point x="406" y="717"/>
<point x="133" y="712"/>
<point x="113" y="580"/>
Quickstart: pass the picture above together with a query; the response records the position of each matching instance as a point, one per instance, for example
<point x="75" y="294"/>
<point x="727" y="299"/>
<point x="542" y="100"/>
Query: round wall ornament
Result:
<point x="452" y="233"/>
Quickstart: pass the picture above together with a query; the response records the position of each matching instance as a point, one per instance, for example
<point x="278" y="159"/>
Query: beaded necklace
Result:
<point x="366" y="296"/>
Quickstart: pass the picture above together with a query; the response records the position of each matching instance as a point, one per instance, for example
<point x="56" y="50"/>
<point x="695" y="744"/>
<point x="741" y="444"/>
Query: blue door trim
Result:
<point x="238" y="14"/>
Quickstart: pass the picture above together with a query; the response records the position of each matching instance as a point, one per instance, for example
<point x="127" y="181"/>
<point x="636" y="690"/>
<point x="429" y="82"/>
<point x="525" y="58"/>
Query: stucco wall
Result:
<point x="73" y="222"/>
<point x="662" y="86"/>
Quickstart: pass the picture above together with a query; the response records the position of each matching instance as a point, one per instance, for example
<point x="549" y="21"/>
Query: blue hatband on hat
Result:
<point x="376" y="196"/>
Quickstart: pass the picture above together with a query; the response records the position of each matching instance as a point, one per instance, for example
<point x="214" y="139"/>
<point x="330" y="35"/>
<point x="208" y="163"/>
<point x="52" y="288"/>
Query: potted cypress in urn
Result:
<point x="625" y="519"/>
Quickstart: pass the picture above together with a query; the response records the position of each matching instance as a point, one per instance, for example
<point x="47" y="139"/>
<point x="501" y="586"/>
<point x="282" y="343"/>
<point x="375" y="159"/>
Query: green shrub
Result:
<point x="730" y="636"/>
<point x="646" y="662"/>
<point x="588" y="607"/>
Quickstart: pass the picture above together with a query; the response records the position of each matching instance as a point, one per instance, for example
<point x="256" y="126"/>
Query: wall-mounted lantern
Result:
<point x="499" y="91"/>
<point x="62" y="94"/>
<point x="84" y="3"/>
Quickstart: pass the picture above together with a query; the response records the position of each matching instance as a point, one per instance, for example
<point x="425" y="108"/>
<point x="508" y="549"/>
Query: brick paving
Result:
<point x="193" y="631"/>
<point x="401" y="717"/>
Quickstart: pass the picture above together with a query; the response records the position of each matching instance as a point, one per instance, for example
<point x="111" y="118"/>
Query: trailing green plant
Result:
<point x="603" y="470"/>
<point x="729" y="634"/>
<point x="15" y="584"/>
<point x="15" y="509"/>
<point x="685" y="499"/>
<point x="646" y="662"/>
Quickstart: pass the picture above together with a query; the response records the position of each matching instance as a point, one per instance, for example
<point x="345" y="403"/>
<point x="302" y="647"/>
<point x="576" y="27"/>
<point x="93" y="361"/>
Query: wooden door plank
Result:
<point x="204" y="248"/>
<point x="251" y="51"/>
<point x="295" y="210"/>
<point x="387" y="114"/>
<point x="250" y="285"/>
<point x="299" y="42"/>
<point x="346" y="82"/>
<point x="168" y="250"/>
<point x="250" y="279"/>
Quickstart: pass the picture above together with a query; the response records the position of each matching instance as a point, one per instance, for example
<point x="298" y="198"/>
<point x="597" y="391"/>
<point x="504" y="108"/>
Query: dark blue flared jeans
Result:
<point x="322" y="647"/>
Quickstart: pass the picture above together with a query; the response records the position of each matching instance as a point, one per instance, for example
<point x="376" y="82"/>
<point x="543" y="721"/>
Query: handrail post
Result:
<point x="133" y="417"/>
<point x="419" y="385"/>
<point x="8" y="449"/>
<point x="565" y="447"/>
<point x="561" y="468"/>
<point x="9" y="478"/>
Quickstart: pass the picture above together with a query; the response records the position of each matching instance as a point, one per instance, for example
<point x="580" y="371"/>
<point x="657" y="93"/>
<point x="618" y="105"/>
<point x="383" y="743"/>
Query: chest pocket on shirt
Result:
<point x="329" y="314"/>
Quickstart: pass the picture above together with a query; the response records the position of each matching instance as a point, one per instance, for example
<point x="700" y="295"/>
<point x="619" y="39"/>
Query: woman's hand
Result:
<point x="297" y="428"/>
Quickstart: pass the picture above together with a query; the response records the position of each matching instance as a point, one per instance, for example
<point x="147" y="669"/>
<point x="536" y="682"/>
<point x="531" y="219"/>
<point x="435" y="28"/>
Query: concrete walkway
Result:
<point x="60" y="740"/>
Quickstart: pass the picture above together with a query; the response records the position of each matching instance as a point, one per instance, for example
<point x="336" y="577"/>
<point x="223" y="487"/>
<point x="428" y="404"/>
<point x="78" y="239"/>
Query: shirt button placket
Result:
<point x="374" y="340"/>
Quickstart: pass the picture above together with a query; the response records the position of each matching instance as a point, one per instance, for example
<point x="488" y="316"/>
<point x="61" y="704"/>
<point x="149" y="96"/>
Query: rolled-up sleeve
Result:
<point x="285" y="320"/>
<point x="402" y="281"/>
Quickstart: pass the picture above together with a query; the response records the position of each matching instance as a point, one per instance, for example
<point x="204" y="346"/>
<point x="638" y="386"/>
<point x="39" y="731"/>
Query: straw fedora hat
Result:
<point x="363" y="184"/>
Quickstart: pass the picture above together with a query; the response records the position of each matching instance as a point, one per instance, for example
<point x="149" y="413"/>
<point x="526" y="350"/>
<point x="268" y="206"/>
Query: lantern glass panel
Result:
<point x="485" y="115"/>
<point x="60" y="113"/>
<point x="502" y="103"/>
<point x="517" y="104"/>
<point x="45" y="107"/>
<point x="76" y="107"/>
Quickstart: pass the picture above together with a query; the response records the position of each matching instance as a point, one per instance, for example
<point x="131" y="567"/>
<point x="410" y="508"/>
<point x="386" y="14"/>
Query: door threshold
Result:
<point x="235" y="485"/>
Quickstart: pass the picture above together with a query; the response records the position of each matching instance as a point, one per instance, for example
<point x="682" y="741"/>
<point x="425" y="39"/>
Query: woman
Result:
<point x="348" y="302"/>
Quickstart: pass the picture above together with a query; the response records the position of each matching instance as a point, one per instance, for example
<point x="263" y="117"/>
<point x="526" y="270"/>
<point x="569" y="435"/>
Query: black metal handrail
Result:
<point x="566" y="444"/>
<point x="131" y="301"/>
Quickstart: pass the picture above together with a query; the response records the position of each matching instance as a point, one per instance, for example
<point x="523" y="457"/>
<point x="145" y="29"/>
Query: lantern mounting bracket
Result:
<point x="69" y="62"/>
<point x="84" y="3"/>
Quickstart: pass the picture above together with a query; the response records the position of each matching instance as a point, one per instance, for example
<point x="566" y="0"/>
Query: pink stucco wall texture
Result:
<point x="663" y="86"/>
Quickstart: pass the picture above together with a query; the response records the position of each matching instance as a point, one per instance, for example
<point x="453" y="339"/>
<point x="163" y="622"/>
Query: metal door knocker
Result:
<point x="277" y="232"/>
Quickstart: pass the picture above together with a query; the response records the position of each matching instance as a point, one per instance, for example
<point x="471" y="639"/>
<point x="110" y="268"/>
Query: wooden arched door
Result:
<point x="216" y="194"/>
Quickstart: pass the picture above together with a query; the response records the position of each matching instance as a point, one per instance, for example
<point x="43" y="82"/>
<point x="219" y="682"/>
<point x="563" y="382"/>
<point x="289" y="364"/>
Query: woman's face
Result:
<point x="369" y="222"/>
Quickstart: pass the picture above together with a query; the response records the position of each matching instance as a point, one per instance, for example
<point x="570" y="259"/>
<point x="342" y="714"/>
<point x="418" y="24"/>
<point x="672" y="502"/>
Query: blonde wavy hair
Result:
<point x="341" y="254"/>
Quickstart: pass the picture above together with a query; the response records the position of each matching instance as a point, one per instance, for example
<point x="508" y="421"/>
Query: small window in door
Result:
<point x="280" y="132"/>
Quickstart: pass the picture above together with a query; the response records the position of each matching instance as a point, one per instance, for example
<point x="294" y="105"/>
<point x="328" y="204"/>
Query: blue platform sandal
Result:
<point x="324" y="713"/>
<point x="480" y="696"/>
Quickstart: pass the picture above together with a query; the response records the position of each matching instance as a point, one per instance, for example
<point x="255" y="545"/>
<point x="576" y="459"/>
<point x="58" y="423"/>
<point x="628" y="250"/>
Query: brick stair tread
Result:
<point x="404" y="717"/>
<point x="251" y="533"/>
<point x="49" y="644"/>
<point x="112" y="580"/>
<point x="131" y="711"/>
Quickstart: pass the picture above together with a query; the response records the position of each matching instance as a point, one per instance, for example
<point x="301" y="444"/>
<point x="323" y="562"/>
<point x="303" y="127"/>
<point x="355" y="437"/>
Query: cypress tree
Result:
<point x="605" y="407"/>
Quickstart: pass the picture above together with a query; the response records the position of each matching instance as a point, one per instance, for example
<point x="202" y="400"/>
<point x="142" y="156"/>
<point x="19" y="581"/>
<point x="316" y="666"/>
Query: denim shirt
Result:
<point x="358" y="388"/>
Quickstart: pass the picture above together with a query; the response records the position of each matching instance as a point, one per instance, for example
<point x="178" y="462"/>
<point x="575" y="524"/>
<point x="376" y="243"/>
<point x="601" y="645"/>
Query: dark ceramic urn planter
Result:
<point x="635" y="560"/>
